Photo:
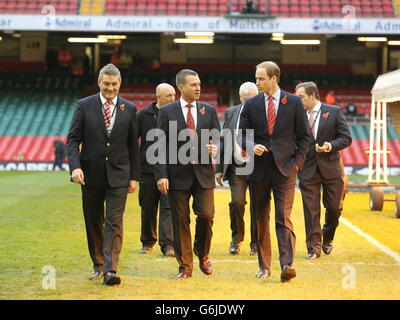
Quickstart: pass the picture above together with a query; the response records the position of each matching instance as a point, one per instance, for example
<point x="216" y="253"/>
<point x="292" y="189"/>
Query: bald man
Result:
<point x="149" y="195"/>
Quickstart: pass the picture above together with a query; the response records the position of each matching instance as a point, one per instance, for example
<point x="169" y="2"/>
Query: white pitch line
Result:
<point x="371" y="240"/>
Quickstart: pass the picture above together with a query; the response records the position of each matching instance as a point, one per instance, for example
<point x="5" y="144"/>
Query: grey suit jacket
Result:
<point x="226" y="158"/>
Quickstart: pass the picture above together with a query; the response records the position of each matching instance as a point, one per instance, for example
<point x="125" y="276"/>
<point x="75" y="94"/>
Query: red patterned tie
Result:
<point x="107" y="113"/>
<point x="271" y="115"/>
<point x="189" y="119"/>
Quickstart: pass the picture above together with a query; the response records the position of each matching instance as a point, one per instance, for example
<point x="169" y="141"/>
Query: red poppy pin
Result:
<point x="325" y="115"/>
<point x="122" y="107"/>
<point x="202" y="111"/>
<point x="284" y="100"/>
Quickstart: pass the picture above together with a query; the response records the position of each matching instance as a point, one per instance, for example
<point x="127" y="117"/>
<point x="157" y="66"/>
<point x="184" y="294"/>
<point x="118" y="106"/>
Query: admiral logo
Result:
<point x="344" y="25"/>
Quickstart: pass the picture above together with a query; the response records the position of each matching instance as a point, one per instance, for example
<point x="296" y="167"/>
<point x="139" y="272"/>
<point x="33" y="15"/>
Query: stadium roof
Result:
<point x="387" y="87"/>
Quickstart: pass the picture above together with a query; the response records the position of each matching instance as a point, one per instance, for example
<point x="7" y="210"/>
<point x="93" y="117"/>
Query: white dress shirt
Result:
<point x="185" y="110"/>
<point x="112" y="110"/>
<point x="317" y="116"/>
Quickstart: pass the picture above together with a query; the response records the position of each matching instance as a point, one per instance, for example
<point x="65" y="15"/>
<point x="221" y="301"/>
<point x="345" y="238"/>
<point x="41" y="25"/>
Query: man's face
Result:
<point x="109" y="86"/>
<point x="190" y="90"/>
<point x="264" y="83"/>
<point x="309" y="101"/>
<point x="165" y="96"/>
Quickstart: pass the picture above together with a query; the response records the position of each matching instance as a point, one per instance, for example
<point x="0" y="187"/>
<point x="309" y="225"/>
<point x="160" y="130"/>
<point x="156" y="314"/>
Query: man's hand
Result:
<point x="212" y="149"/>
<point x="218" y="177"/>
<point x="259" y="149"/>
<point x="78" y="177"/>
<point x="324" y="148"/>
<point x="163" y="185"/>
<point x="132" y="186"/>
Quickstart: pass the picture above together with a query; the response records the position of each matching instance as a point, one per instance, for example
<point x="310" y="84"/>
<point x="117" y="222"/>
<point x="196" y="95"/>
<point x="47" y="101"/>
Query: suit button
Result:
<point x="108" y="144"/>
<point x="107" y="158"/>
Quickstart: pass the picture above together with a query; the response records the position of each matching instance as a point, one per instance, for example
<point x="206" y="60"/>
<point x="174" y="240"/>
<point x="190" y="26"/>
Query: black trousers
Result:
<point x="103" y="210"/>
<point x="283" y="189"/>
<point x="238" y="185"/>
<point x="149" y="198"/>
<point x="332" y="195"/>
<point x="58" y="160"/>
<point x="203" y="208"/>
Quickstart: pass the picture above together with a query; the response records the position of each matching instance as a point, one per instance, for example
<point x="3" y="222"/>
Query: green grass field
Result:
<point x="41" y="224"/>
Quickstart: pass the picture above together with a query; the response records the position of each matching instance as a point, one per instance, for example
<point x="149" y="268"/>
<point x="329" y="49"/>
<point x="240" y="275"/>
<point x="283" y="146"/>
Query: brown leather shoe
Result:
<point x="183" y="275"/>
<point x="205" y="265"/>
<point x="288" y="273"/>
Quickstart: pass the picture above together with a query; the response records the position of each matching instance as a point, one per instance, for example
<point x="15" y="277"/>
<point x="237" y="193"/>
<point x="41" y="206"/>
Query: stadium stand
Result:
<point x="284" y="8"/>
<point x="35" y="6"/>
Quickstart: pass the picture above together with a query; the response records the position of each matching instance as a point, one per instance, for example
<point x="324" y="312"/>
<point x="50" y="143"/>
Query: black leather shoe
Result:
<point x="288" y="273"/>
<point x="312" y="256"/>
<point x="263" y="273"/>
<point x="111" y="279"/>
<point x="97" y="275"/>
<point x="234" y="248"/>
<point x="205" y="265"/>
<point x="327" y="247"/>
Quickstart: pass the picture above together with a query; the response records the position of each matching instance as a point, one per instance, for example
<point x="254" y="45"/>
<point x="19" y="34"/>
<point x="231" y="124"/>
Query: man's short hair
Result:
<point x="271" y="68"/>
<point x="181" y="76"/>
<point x="310" y="88"/>
<point x="109" y="70"/>
<point x="247" y="87"/>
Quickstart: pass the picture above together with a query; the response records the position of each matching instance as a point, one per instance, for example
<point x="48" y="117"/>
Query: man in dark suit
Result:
<point x="107" y="167"/>
<point x="59" y="153"/>
<point x="149" y="195"/>
<point x="323" y="168"/>
<point x="226" y="170"/>
<point x="279" y="144"/>
<point x="187" y="170"/>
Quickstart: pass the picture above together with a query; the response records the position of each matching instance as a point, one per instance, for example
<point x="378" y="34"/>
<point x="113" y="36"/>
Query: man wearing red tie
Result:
<point x="280" y="142"/>
<point x="107" y="168"/>
<point x="182" y="123"/>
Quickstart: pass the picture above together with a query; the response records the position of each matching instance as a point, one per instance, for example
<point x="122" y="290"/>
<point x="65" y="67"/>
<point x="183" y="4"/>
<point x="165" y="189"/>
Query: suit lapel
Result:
<point x="179" y="116"/>
<point x="99" y="114"/>
<point x="322" y="121"/>
<point x="117" y="117"/>
<point x="235" y="117"/>
<point x="281" y="112"/>
<point x="199" y="119"/>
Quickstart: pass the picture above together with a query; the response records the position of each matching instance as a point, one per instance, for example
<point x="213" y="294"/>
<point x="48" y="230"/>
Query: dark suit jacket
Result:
<point x="181" y="175"/>
<point x="289" y="140"/>
<point x="332" y="128"/>
<point x="231" y="116"/>
<point x="147" y="120"/>
<point x="113" y="158"/>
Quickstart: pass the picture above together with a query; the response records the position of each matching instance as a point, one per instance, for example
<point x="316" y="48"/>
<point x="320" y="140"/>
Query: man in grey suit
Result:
<point x="323" y="168"/>
<point x="226" y="170"/>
